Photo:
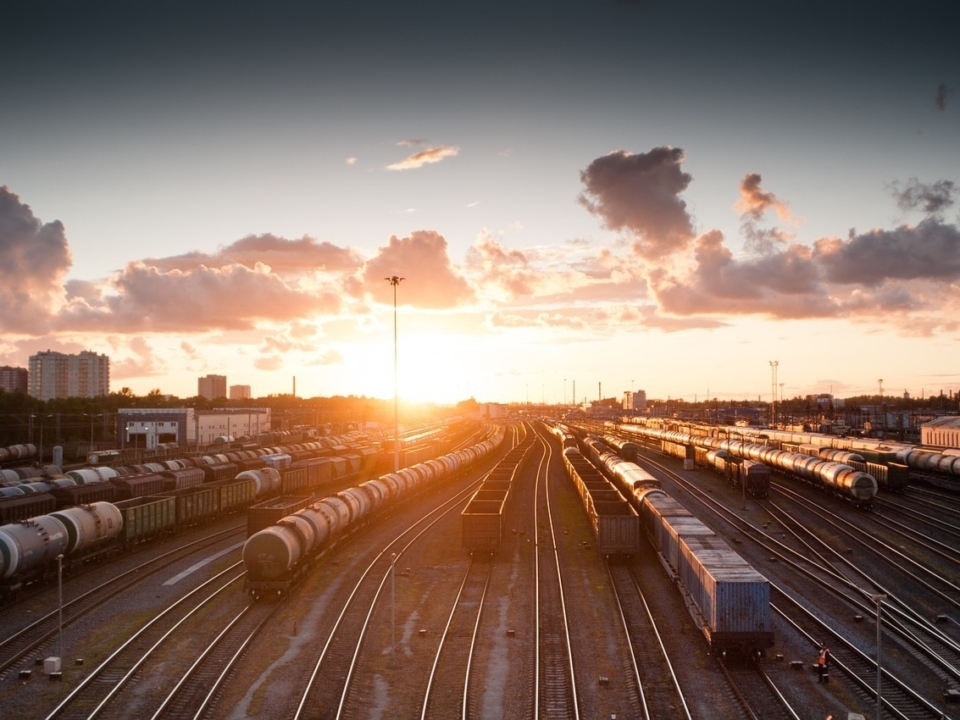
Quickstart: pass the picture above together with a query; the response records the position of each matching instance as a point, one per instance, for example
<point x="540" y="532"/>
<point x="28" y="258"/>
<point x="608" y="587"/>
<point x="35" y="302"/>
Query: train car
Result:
<point x="614" y="523"/>
<point x="24" y="506"/>
<point x="280" y="555"/>
<point x="269" y="512"/>
<point x="132" y="486"/>
<point x="147" y="518"/>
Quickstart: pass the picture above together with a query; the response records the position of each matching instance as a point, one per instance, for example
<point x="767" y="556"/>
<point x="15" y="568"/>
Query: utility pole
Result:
<point x="773" y="386"/>
<point x="395" y="281"/>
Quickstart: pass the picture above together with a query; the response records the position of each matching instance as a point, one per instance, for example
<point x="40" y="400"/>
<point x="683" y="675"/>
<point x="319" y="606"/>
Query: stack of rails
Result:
<point x="482" y="520"/>
<point x="613" y="521"/>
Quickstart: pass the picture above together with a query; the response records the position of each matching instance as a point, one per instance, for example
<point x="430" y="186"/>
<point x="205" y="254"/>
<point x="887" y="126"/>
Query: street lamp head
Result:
<point x="394" y="280"/>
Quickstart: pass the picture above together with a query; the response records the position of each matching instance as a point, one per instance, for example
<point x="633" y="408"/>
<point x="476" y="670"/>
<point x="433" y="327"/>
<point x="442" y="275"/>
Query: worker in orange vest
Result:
<point x="823" y="664"/>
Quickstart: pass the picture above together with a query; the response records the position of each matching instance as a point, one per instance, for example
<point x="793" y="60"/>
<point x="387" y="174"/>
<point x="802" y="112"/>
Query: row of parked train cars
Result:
<point x="279" y="555"/>
<point x="93" y="511"/>
<point x="631" y="513"/>
<point x="838" y="472"/>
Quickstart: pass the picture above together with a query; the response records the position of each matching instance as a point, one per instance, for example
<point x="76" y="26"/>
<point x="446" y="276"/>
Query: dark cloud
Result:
<point x="929" y="197"/>
<point x="34" y="257"/>
<point x="754" y="202"/>
<point x="943" y="92"/>
<point x="640" y="194"/>
<point x="929" y="250"/>
<point x="281" y="255"/>
<point x="422" y="259"/>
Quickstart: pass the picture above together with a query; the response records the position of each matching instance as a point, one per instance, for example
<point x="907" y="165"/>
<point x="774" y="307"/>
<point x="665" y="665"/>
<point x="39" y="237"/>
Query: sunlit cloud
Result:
<point x="422" y="258"/>
<point x="425" y="157"/>
<point x="34" y="258"/>
<point x="754" y="202"/>
<point x="351" y="161"/>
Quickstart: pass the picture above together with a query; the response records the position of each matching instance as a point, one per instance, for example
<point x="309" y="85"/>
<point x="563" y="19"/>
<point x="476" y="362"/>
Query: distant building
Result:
<point x="147" y="427"/>
<point x="13" y="379"/>
<point x="943" y="432"/>
<point x="239" y="392"/>
<point x="58" y="375"/>
<point x="212" y="386"/>
<point x="635" y="401"/>
<point x="493" y="411"/>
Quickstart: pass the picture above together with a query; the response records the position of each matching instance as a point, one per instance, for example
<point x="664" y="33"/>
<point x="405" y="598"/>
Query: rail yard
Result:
<point x="525" y="569"/>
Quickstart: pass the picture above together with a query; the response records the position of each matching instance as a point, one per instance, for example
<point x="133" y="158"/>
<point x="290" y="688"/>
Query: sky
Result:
<point x="583" y="197"/>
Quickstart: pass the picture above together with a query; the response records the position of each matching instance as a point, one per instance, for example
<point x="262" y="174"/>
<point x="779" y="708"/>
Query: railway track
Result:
<point x="659" y="695"/>
<point x="125" y="665"/>
<point x="41" y="633"/>
<point x="448" y="686"/>
<point x="328" y="690"/>
<point x="902" y="702"/>
<point x="556" y="681"/>
<point x="197" y="691"/>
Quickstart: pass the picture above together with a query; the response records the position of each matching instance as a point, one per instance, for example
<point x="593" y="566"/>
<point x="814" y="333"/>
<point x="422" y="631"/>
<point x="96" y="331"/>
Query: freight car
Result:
<point x="729" y="599"/>
<point x="279" y="556"/>
<point x="837" y="478"/>
<point x="482" y="520"/>
<point x="29" y="548"/>
<point x="748" y="475"/>
<point x="614" y="522"/>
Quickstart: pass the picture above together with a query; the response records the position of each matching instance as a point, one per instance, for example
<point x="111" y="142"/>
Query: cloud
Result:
<point x="927" y="251"/>
<point x="270" y="363"/>
<point x="411" y="142"/>
<point x="330" y="356"/>
<point x="425" y="157"/>
<point x="507" y="270"/>
<point x="940" y="98"/>
<point x="34" y="258"/>
<point x="422" y="259"/>
<point x="146" y="299"/>
<point x="929" y="197"/>
<point x="640" y="194"/>
<point x="754" y="202"/>
<point x="784" y="284"/>
<point x="143" y="363"/>
<point x="351" y="161"/>
<point x="279" y="254"/>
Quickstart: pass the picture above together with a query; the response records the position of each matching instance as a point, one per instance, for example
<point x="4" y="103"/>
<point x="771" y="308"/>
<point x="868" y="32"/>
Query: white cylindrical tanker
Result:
<point x="339" y="507"/>
<point x="358" y="502"/>
<point x="377" y="491"/>
<point x="319" y="521"/>
<point x="267" y="480"/>
<point x="27" y="545"/>
<point x="89" y="525"/>
<point x="85" y="476"/>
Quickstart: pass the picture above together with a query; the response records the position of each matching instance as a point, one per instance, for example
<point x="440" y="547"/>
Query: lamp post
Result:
<point x="878" y="599"/>
<point x="395" y="281"/>
<point x="60" y="593"/>
<point x="393" y="606"/>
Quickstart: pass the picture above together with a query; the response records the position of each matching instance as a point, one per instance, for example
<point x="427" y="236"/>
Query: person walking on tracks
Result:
<point x="823" y="664"/>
